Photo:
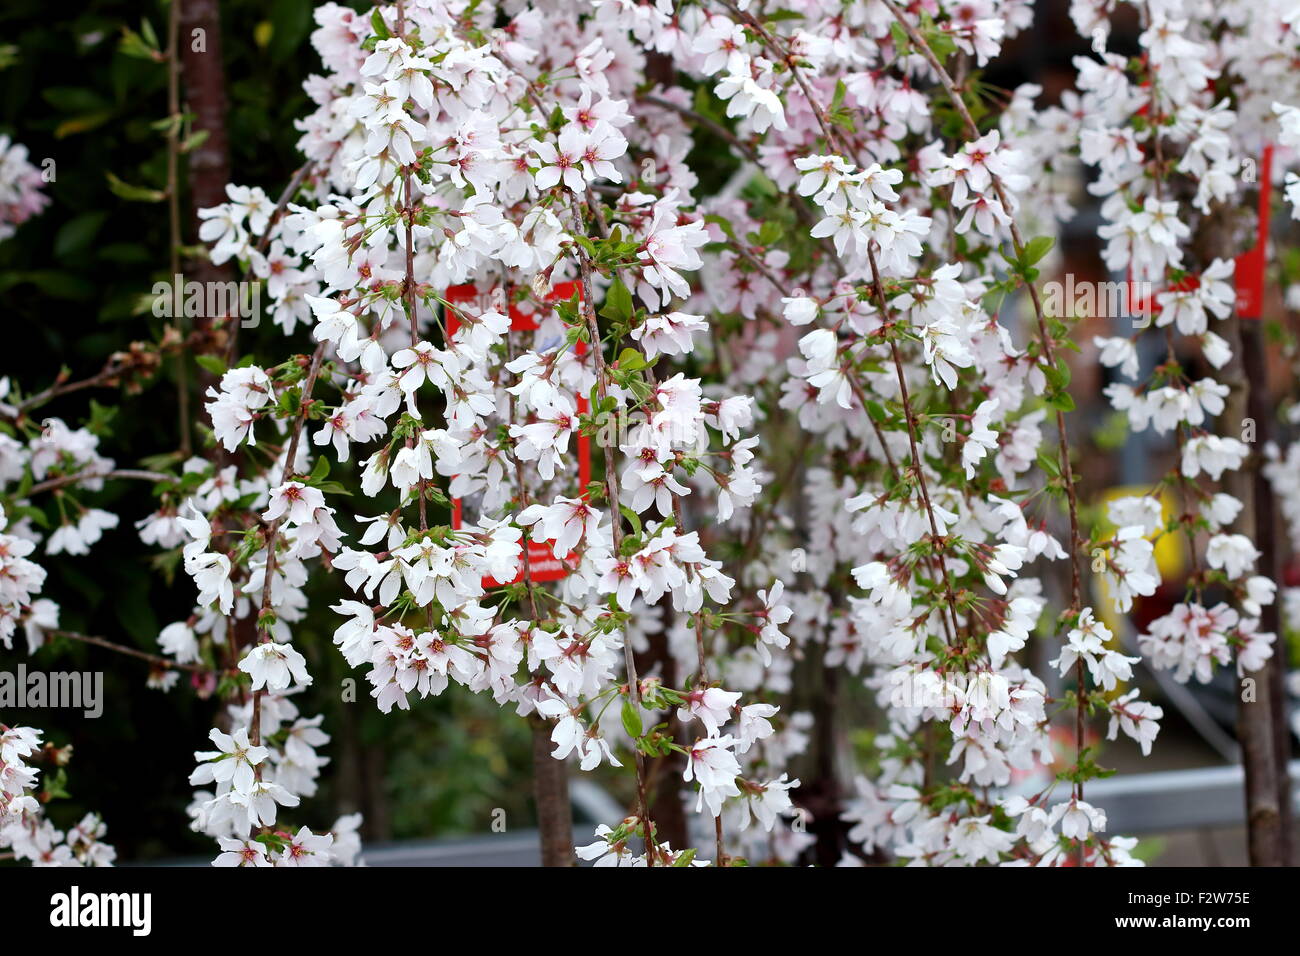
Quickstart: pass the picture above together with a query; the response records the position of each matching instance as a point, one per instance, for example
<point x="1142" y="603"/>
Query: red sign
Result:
<point x="1248" y="275"/>
<point x="542" y="565"/>
<point x="1250" y="265"/>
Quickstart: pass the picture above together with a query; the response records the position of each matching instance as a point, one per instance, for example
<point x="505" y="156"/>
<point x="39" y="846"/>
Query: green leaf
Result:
<point x="618" y="303"/>
<point x="77" y="233"/>
<point x="82" y="124"/>
<point x="292" y="21"/>
<point x="101" y="418"/>
<point x="901" y="42"/>
<point x="74" y="99"/>
<point x="133" y="193"/>
<point x="941" y="43"/>
<point x="150" y="37"/>
<point x="633" y="517"/>
<point x="211" y="363"/>
<point x="840" y="92"/>
<point x="630" y="360"/>
<point x="632" y="719"/>
<point x="134" y="45"/>
<point x="1035" y="249"/>
<point x="321" y="470"/>
<point x="1061" y="401"/>
<point x="1058" y="375"/>
<point x="194" y="140"/>
<point x="64" y="286"/>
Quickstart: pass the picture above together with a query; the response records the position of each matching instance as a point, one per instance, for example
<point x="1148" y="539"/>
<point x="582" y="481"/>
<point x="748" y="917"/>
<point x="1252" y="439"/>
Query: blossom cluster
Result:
<point x="639" y="459"/>
<point x="25" y="830"/>
<point x="21" y="185"/>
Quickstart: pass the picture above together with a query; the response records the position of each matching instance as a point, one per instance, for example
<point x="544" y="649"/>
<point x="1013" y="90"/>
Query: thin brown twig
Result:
<point x="124" y="473"/>
<point x="155" y="659"/>
<point x="112" y="369"/>
<point x="282" y="203"/>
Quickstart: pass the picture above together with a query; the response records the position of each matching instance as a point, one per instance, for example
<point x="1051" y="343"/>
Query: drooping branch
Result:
<point x="615" y="511"/>
<point x="154" y="659"/>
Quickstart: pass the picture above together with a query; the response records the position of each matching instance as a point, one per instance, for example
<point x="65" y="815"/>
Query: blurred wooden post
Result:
<point x="1259" y="407"/>
<point x="204" y="78"/>
<point x="551" y="792"/>
<point x="1254" y="716"/>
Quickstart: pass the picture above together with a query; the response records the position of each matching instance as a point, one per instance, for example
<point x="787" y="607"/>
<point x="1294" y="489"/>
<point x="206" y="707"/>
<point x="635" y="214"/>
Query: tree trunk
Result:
<point x="205" y="96"/>
<point x="1260" y="409"/>
<point x="204" y="79"/>
<point x="1254" y="711"/>
<point x="378" y="819"/>
<point x="819" y="797"/>
<point x="551" y="791"/>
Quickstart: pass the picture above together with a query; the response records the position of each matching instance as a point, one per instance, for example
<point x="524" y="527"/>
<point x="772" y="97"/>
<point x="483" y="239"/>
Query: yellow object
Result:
<point x="1170" y="549"/>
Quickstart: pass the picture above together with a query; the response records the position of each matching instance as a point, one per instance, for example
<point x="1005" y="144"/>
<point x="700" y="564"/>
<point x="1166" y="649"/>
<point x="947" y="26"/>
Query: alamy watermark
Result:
<point x="1130" y="299"/>
<point x="75" y="908"/>
<point x="77" y="690"/>
<point x="209" y="300"/>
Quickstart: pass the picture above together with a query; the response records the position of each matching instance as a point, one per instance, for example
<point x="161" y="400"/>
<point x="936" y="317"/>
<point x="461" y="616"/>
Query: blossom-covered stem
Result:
<point x="937" y="564"/>
<point x="272" y="534"/>
<point x="291" y="452"/>
<point x="602" y="228"/>
<point x="550" y="776"/>
<point x="1048" y="357"/>
<point x="615" y="512"/>
<point x="408" y="301"/>
<point x="818" y="111"/>
<point x="524" y="501"/>
<point x="702" y="680"/>
<point x="408" y="292"/>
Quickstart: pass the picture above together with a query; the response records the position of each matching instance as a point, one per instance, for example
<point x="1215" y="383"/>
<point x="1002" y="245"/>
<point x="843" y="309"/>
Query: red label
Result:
<point x="1249" y="274"/>
<point x="543" y="565"/>
<point x="1143" y="305"/>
